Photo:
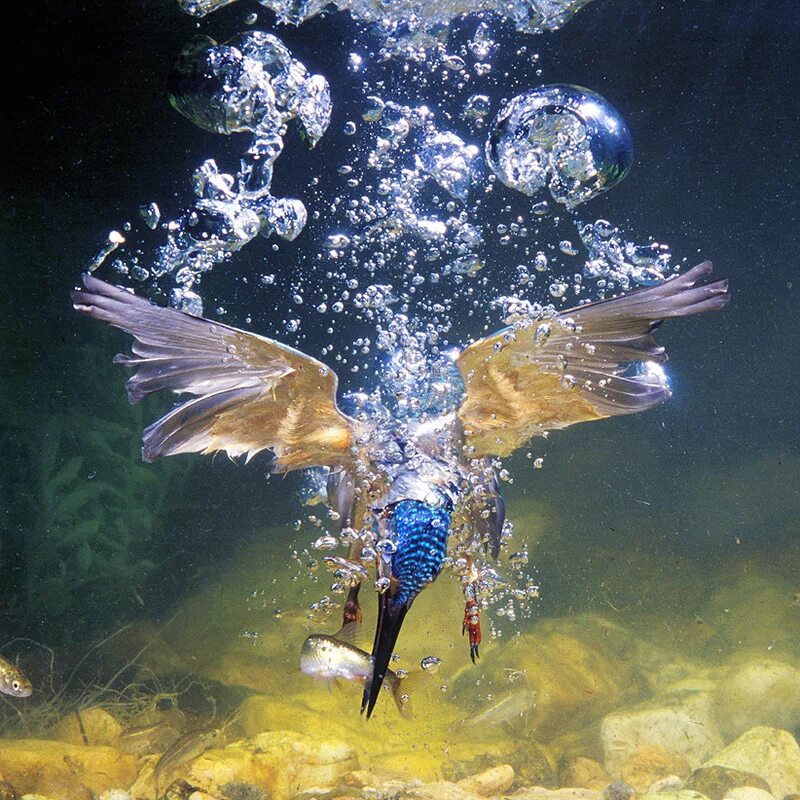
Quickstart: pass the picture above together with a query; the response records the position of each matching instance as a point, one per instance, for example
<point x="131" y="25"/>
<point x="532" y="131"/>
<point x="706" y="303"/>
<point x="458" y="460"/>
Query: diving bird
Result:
<point x="405" y="486"/>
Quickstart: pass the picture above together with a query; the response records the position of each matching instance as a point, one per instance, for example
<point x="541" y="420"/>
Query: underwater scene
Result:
<point x="399" y="401"/>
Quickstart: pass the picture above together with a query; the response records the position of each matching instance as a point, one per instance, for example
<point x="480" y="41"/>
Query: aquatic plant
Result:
<point x="86" y="519"/>
<point x="124" y="686"/>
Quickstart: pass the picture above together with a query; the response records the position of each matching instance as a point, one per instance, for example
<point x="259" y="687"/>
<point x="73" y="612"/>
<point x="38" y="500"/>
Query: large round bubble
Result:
<point x="564" y="137"/>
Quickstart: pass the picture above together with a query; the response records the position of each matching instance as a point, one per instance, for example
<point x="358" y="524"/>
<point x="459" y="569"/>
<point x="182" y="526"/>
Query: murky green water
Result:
<point x="160" y="608"/>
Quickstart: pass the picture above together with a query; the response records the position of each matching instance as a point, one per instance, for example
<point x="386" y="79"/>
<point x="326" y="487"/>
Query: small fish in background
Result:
<point x="13" y="681"/>
<point x="144" y="740"/>
<point x="331" y="658"/>
<point x="186" y="748"/>
<point x="512" y="709"/>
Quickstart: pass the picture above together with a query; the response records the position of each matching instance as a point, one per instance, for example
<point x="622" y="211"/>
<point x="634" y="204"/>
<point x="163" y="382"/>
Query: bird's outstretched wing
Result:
<point x="594" y="361"/>
<point x="250" y="393"/>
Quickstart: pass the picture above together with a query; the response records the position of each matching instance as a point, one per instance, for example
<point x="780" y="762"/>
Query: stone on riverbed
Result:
<point x="769" y="753"/>
<point x="651" y="763"/>
<point x="540" y="793"/>
<point x="35" y="797"/>
<point x="442" y="790"/>
<point x="92" y="726"/>
<point x="680" y="721"/>
<point x="533" y="764"/>
<point x="282" y="762"/>
<point x="748" y="793"/>
<point x="115" y="794"/>
<point x="760" y="691"/>
<point x="584" y="773"/>
<point x="715" y="782"/>
<point x="674" y="794"/>
<point x="494" y="780"/>
<point x="65" y="771"/>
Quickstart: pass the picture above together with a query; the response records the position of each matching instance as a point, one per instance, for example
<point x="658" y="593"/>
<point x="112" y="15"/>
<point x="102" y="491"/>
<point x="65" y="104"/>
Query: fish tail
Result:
<point x="401" y="698"/>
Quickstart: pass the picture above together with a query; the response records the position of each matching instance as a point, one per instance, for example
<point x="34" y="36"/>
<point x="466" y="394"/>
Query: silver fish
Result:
<point x="515" y="706"/>
<point x="186" y="748"/>
<point x="13" y="680"/>
<point x="330" y="658"/>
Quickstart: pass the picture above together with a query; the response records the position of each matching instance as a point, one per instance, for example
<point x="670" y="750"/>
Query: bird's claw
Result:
<point x="352" y="608"/>
<point x="472" y="626"/>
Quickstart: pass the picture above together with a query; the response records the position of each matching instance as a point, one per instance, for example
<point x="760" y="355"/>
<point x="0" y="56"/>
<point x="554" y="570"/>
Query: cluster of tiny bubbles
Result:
<point x="418" y="378"/>
<point x="321" y="611"/>
<point x="253" y="636"/>
<point x="413" y="24"/>
<point x="313" y="486"/>
<point x="414" y="215"/>
<point x="413" y="182"/>
<point x="614" y="262"/>
<point x="346" y="572"/>
<point x="249" y="84"/>
<point x="411" y="209"/>
<point x="521" y="314"/>
<point x="503" y="585"/>
<point x="566" y="138"/>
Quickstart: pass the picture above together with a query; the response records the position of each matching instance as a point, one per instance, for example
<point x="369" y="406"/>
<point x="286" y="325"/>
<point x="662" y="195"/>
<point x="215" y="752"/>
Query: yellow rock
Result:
<point x="416" y="748"/>
<point x="35" y="797"/>
<point x="680" y="720"/>
<point x="65" y="771"/>
<point x="650" y="763"/>
<point x="758" y="691"/>
<point x="420" y="761"/>
<point x="442" y="790"/>
<point x="769" y="753"/>
<point x="283" y="763"/>
<point x="389" y="782"/>
<point x="491" y="781"/>
<point x="673" y="794"/>
<point x="584" y="773"/>
<point x="566" y="793"/>
<point x="92" y="726"/>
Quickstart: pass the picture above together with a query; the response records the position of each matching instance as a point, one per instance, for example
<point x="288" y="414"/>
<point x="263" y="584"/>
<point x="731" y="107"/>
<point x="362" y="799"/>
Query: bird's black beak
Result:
<point x="390" y="620"/>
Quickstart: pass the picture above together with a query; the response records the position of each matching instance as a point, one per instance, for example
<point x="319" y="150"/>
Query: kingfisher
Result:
<point x="408" y="483"/>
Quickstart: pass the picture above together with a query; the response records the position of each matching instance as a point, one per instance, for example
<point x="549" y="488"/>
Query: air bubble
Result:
<point x="566" y="138"/>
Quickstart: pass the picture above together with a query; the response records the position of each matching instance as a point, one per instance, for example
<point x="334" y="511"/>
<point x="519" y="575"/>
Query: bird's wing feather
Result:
<point x="576" y="367"/>
<point x="250" y="393"/>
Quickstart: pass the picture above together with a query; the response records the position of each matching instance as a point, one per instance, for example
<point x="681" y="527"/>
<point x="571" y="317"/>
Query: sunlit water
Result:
<point x="378" y="193"/>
